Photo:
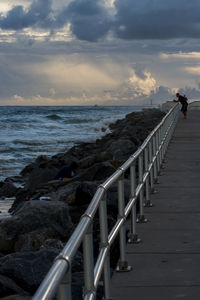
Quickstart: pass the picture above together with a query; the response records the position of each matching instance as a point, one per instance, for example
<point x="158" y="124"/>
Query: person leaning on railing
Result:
<point x="183" y="100"/>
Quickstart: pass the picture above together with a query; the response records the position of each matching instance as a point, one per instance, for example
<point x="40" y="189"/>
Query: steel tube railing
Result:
<point x="149" y="158"/>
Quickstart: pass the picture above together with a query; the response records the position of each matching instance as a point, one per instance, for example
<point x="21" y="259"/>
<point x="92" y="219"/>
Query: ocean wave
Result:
<point x="11" y="126"/>
<point x="54" y="117"/>
<point x="29" y="142"/>
<point x="79" y="121"/>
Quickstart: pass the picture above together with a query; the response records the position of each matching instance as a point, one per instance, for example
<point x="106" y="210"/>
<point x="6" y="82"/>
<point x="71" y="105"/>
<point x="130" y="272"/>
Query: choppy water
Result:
<point x="27" y="132"/>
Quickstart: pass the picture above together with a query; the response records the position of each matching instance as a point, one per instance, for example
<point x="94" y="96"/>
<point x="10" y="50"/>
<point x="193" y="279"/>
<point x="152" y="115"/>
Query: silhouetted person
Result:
<point x="183" y="100"/>
<point x="66" y="172"/>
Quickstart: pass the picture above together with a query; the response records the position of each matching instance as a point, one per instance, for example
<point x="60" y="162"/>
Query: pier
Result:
<point x="165" y="265"/>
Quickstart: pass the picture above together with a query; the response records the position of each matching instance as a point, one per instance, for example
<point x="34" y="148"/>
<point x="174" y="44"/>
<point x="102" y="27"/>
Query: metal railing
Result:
<point x="148" y="160"/>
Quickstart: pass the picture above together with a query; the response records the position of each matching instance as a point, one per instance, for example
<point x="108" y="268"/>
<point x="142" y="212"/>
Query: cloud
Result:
<point x="142" y="86"/>
<point x="193" y="70"/>
<point x="158" y="19"/>
<point x="91" y="20"/>
<point x="192" y="93"/>
<point x="181" y="55"/>
<point x="38" y="13"/>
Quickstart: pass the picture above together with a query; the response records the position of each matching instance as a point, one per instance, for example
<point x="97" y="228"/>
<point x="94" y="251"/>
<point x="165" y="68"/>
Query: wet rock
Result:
<point x="9" y="287"/>
<point x="85" y="192"/>
<point x="34" y="216"/>
<point x="53" y="244"/>
<point x="122" y="149"/>
<point x="34" y="240"/>
<point x="7" y="189"/>
<point x="99" y="171"/>
<point x="64" y="193"/>
<point x="27" y="269"/>
<point x="21" y="196"/>
<point x="39" y="176"/>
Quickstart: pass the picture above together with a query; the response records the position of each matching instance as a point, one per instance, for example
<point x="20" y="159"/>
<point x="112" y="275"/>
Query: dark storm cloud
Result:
<point x="37" y="14"/>
<point x="158" y="19"/>
<point x="89" y="19"/>
<point x="133" y="20"/>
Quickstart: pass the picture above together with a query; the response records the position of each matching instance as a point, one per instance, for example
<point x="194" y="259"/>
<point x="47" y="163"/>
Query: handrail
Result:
<point x="149" y="158"/>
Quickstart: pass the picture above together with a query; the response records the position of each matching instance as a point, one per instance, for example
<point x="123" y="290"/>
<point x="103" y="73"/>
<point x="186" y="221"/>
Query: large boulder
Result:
<point x="26" y="270"/>
<point x="9" y="287"/>
<point x="39" y="176"/>
<point x="7" y="189"/>
<point x="42" y="216"/>
<point x="122" y="149"/>
<point x="98" y="172"/>
<point x="64" y="193"/>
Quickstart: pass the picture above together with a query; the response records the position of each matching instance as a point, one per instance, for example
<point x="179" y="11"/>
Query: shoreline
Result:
<point x="67" y="127"/>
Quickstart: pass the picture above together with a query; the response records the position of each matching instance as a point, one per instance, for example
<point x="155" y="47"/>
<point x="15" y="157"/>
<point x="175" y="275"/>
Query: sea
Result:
<point x="29" y="131"/>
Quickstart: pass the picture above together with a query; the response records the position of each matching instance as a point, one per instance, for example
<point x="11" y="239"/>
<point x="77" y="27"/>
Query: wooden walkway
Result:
<point x="166" y="265"/>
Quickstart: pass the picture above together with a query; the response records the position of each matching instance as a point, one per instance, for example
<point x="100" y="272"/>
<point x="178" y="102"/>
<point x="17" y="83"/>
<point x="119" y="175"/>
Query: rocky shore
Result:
<point x="38" y="229"/>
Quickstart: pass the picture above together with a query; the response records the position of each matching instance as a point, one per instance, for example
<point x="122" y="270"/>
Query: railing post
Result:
<point x="151" y="171"/>
<point x="104" y="243"/>
<point x="158" y="152"/>
<point x="162" y="147"/>
<point x="146" y="163"/>
<point x="155" y="175"/>
<point x="88" y="257"/>
<point x="64" y="288"/>
<point x="141" y="217"/>
<point x="123" y="264"/>
<point x="133" y="239"/>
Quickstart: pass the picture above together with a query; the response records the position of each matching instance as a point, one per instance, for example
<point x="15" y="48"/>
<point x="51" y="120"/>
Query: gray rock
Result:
<point x="39" y="176"/>
<point x="9" y="287"/>
<point x="64" y="193"/>
<point x="7" y="189"/>
<point x="122" y="149"/>
<point x="53" y="244"/>
<point x="100" y="171"/>
<point x="34" y="216"/>
<point x="34" y="240"/>
<point x="27" y="269"/>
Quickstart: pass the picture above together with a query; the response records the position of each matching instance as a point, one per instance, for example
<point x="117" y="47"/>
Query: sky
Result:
<point x="107" y="52"/>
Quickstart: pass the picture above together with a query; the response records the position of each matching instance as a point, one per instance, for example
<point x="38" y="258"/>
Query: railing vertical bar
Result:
<point x="155" y="175"/>
<point x="133" y="238"/>
<point x="160" y="149"/>
<point x="104" y="243"/>
<point x="162" y="142"/>
<point x="141" y="217"/>
<point x="147" y="187"/>
<point x="88" y="257"/>
<point x="123" y="264"/>
<point x="64" y="289"/>
<point x="151" y="161"/>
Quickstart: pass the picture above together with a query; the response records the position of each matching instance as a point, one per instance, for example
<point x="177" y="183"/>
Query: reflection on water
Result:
<point x="5" y="205"/>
